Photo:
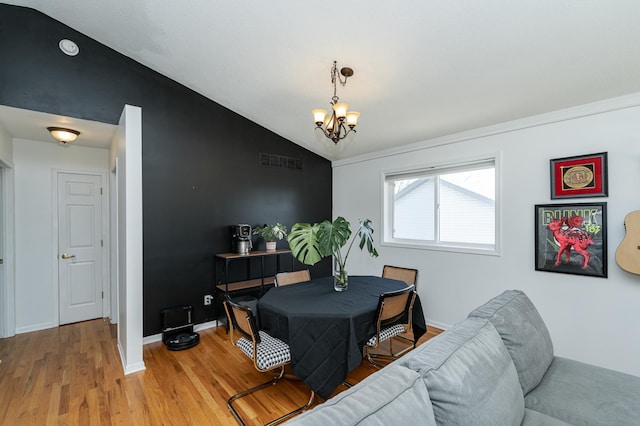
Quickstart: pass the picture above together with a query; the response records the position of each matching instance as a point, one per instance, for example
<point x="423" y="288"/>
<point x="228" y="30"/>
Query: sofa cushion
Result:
<point x="470" y="376"/>
<point x="583" y="394"/>
<point x="523" y="332"/>
<point x="535" y="418"/>
<point x="394" y="395"/>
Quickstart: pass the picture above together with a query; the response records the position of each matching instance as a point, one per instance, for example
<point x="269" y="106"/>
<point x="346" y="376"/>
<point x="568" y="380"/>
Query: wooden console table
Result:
<point x="225" y="287"/>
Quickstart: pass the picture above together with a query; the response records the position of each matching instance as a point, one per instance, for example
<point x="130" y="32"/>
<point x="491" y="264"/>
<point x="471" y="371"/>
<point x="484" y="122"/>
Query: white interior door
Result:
<point x="80" y="244"/>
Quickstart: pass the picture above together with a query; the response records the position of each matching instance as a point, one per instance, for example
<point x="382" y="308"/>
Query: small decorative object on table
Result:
<point x="310" y="243"/>
<point x="271" y="233"/>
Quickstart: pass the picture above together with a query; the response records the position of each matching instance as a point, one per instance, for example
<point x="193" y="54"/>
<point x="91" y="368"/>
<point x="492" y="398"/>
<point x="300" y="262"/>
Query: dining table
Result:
<point x="326" y="329"/>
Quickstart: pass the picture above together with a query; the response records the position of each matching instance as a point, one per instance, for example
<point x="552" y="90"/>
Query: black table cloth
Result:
<point x="325" y="329"/>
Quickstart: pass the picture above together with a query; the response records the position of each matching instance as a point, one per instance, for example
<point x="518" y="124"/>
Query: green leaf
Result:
<point x="366" y="237"/>
<point x="332" y="236"/>
<point x="304" y="243"/>
<point x="310" y="243"/>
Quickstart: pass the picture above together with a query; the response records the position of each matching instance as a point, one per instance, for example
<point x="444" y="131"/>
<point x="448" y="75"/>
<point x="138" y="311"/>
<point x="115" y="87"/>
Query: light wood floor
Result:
<point x="72" y="375"/>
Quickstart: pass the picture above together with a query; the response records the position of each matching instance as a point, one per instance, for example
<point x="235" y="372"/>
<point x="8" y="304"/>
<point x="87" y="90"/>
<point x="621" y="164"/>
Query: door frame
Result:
<point x="106" y="237"/>
<point x="7" y="286"/>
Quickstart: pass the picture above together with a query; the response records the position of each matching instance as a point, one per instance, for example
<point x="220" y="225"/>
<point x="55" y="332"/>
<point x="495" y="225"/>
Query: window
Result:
<point x="452" y="207"/>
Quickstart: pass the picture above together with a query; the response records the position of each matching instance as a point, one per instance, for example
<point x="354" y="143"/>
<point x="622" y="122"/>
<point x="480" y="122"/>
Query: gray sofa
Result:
<point x="496" y="367"/>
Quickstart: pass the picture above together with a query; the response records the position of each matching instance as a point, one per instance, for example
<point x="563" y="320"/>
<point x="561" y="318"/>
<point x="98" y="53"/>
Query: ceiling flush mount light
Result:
<point x="68" y="47"/>
<point x="63" y="135"/>
<point x="334" y="126"/>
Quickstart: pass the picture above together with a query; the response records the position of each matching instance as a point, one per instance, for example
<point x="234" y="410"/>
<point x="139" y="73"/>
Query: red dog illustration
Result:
<point x="571" y="236"/>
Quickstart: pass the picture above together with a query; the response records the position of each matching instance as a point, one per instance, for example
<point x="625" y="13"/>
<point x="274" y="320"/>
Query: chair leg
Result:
<point x="261" y="386"/>
<point x="370" y="357"/>
<point x="403" y="351"/>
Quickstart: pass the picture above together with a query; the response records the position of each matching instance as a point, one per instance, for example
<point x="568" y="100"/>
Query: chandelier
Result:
<point x="334" y="126"/>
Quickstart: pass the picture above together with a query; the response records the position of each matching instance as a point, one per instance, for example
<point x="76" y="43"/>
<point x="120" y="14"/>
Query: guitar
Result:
<point x="628" y="252"/>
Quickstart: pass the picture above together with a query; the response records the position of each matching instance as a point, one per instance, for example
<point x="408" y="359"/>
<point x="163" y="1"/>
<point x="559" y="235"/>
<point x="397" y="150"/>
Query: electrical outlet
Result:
<point x="208" y="299"/>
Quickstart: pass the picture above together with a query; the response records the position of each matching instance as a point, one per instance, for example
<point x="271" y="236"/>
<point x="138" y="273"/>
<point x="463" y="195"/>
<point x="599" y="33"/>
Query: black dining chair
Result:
<point x="267" y="353"/>
<point x="393" y="319"/>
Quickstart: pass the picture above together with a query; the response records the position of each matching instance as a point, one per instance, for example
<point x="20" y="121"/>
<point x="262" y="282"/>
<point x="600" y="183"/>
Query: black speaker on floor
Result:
<point x="177" y="328"/>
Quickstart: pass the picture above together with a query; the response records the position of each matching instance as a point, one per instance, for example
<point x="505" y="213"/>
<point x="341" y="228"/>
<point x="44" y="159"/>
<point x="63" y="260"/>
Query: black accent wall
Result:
<point x="201" y="162"/>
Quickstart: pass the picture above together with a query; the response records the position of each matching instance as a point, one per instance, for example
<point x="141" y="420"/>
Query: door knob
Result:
<point x="68" y="256"/>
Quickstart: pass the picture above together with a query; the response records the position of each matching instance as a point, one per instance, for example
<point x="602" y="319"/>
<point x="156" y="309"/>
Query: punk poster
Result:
<point x="571" y="238"/>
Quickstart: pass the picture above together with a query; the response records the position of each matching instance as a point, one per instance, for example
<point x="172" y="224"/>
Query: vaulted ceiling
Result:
<point x="423" y="68"/>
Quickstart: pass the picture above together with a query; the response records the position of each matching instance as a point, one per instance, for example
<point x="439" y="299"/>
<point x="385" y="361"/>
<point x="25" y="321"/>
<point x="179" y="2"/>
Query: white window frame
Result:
<point x="434" y="170"/>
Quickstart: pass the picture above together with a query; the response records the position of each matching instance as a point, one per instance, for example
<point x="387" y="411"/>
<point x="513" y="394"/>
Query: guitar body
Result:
<point x="628" y="252"/>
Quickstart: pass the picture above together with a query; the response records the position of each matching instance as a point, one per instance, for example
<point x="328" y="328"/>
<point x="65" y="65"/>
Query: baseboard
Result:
<point x="152" y="339"/>
<point x="128" y="369"/>
<point x="35" y="327"/>
<point x="158" y="337"/>
<point x="437" y="324"/>
<point x="134" y="368"/>
<point x="205" y="325"/>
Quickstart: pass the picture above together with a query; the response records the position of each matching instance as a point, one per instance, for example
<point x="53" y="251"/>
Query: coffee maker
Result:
<point x="241" y="239"/>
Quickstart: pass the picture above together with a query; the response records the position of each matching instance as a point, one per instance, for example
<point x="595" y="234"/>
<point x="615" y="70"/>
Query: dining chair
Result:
<point x="407" y="275"/>
<point x="393" y="318"/>
<point x="267" y="353"/>
<point x="286" y="278"/>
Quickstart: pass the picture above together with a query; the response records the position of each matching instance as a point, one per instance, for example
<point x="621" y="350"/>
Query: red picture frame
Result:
<point x="579" y="177"/>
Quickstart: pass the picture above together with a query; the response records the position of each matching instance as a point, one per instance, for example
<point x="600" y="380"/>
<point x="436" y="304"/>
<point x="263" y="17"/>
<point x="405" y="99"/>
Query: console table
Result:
<point x="222" y="279"/>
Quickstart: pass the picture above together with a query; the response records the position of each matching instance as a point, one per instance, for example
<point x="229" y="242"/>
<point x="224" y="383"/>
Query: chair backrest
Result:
<point x="395" y="307"/>
<point x="241" y="321"/>
<point x="285" y="278"/>
<point x="407" y="275"/>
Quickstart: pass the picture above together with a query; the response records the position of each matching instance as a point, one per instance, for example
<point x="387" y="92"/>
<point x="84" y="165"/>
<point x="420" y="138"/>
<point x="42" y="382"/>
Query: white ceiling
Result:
<point x="423" y="68"/>
<point x="32" y="125"/>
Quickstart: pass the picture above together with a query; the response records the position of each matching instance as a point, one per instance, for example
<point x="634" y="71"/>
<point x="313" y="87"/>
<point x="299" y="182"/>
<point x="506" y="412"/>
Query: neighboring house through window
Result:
<point x="450" y="207"/>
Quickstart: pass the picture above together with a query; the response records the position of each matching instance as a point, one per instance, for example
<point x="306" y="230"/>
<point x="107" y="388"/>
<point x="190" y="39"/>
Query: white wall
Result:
<point x="35" y="254"/>
<point x="591" y="319"/>
<point x="126" y="158"/>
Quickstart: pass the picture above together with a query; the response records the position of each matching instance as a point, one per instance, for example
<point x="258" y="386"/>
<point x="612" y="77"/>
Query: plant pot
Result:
<point x="271" y="246"/>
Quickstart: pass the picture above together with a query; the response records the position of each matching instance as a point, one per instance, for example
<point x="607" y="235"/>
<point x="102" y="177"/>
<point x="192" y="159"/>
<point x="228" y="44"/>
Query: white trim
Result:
<point x="609" y="105"/>
<point x="113" y="243"/>
<point x="152" y="339"/>
<point x="36" y="327"/>
<point x="7" y="284"/>
<point x="437" y="324"/>
<point x="129" y="368"/>
<point x="158" y="337"/>
<point x="205" y="325"/>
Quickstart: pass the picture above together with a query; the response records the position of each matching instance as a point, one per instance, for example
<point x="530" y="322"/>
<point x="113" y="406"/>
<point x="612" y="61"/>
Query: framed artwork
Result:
<point x="582" y="176"/>
<point x="571" y="238"/>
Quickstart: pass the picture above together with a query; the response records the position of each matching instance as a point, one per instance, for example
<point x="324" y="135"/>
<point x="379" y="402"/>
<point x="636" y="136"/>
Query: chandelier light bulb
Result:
<point x="341" y="109"/>
<point x="352" y="119"/>
<point x="319" y="116"/>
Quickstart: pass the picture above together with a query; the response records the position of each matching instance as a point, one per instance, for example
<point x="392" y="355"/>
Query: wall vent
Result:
<point x="274" y="160"/>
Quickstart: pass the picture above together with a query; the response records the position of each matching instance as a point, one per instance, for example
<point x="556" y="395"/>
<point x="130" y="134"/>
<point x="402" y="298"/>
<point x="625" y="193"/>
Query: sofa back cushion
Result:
<point x="523" y="332"/>
<point x="394" y="395"/>
<point x="470" y="376"/>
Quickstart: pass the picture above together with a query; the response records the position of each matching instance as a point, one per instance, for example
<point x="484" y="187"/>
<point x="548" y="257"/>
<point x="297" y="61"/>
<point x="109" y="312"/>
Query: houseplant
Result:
<point x="271" y="233"/>
<point x="311" y="243"/>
